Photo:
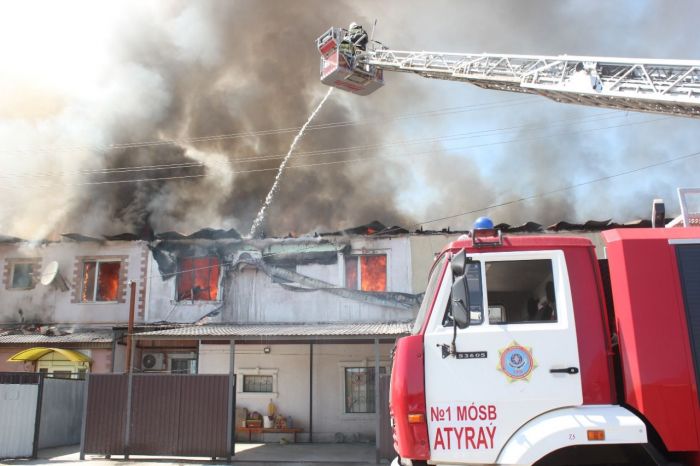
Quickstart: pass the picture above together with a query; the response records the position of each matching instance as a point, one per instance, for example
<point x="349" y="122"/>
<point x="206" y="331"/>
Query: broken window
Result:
<point x="198" y="279"/>
<point x="366" y="272"/>
<point x="22" y="276"/>
<point x="100" y="281"/>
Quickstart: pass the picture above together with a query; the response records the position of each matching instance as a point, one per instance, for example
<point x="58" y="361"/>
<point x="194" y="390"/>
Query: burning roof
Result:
<point x="373" y="228"/>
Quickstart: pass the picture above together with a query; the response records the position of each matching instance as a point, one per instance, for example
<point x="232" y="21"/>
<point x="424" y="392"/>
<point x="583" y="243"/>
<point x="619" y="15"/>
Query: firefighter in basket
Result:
<point x="356" y="39"/>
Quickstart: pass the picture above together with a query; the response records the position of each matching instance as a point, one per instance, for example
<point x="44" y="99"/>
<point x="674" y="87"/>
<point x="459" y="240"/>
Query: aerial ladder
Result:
<point x="669" y="87"/>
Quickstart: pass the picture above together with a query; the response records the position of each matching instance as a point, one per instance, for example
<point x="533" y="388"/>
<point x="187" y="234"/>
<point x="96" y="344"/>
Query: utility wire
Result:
<point x="554" y="191"/>
<point x="334" y="162"/>
<point x="320" y="152"/>
<point x="268" y="132"/>
<point x="480" y="209"/>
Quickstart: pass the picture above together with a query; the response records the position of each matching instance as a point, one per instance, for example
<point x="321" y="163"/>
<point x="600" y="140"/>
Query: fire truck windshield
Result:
<point x="429" y="296"/>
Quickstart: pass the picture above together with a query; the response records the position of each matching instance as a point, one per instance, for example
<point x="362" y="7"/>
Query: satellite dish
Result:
<point x="51" y="276"/>
<point x="49" y="273"/>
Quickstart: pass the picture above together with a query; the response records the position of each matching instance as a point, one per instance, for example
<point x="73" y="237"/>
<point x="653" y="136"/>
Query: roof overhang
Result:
<point x="262" y="333"/>
<point x="33" y="354"/>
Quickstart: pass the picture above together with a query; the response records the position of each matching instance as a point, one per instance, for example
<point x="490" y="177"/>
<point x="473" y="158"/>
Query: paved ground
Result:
<point x="247" y="454"/>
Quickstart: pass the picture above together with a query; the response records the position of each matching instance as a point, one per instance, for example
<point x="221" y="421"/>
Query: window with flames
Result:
<point x="198" y="279"/>
<point x="100" y="281"/>
<point x="366" y="272"/>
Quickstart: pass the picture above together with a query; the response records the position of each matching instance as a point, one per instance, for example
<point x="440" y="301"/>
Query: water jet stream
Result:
<point x="268" y="199"/>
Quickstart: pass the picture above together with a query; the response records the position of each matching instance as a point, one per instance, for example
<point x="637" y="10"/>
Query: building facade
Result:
<point x="67" y="295"/>
<point x="306" y="324"/>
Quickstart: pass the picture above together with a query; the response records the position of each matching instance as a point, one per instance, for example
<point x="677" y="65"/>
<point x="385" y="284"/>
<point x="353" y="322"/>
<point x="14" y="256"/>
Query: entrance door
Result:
<point x="501" y="376"/>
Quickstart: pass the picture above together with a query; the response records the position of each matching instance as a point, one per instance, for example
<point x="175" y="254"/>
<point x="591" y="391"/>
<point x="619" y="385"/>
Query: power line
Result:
<point x="195" y="164"/>
<point x="555" y="191"/>
<point x="268" y="132"/>
<point x="482" y="209"/>
<point x="334" y="162"/>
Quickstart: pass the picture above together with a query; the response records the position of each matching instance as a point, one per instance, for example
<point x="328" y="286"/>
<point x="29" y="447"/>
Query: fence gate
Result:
<point x="19" y="395"/>
<point x="38" y="411"/>
<point x="162" y="415"/>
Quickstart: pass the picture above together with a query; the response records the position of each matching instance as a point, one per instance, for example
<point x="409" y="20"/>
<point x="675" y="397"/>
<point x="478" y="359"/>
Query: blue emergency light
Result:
<point x="485" y="234"/>
<point x="483" y="223"/>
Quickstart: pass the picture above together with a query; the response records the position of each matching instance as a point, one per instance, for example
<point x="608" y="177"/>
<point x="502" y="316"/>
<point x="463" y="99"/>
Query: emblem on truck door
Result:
<point x="516" y="362"/>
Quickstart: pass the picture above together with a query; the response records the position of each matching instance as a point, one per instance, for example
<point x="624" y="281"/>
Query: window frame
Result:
<point x="358" y="271"/>
<point x="32" y="275"/>
<point x="429" y="301"/>
<point x="562" y="292"/>
<point x="193" y="271"/>
<point x="266" y="376"/>
<point x="366" y="364"/>
<point x="98" y="261"/>
<point x="172" y="357"/>
<point x="240" y="373"/>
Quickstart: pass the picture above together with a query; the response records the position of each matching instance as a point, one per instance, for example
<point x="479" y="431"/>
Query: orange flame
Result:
<point x="373" y="272"/>
<point x="198" y="279"/>
<point x="108" y="281"/>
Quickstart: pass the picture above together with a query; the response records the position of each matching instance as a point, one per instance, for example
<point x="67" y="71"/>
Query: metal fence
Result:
<point x="18" y="403"/>
<point x="38" y="412"/>
<point x="159" y="414"/>
<point x="61" y="412"/>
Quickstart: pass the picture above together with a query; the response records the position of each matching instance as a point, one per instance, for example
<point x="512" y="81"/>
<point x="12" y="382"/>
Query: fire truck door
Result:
<point x="517" y="360"/>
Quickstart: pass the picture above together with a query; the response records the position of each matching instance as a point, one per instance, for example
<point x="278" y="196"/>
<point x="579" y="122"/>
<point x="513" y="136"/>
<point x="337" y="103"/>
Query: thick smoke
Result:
<point x="183" y="70"/>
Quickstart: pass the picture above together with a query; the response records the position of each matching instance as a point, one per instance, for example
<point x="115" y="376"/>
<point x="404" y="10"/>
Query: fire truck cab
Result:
<point x="529" y="349"/>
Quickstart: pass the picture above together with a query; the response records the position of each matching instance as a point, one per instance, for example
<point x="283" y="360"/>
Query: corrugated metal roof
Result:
<point x="287" y="330"/>
<point x="77" y="337"/>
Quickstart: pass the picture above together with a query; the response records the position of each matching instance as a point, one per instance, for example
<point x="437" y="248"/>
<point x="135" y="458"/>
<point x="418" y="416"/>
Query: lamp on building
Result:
<point x="266" y="350"/>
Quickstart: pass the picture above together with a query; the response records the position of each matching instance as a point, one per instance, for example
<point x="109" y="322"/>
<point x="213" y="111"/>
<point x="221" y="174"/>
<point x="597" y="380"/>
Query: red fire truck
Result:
<point x="530" y="349"/>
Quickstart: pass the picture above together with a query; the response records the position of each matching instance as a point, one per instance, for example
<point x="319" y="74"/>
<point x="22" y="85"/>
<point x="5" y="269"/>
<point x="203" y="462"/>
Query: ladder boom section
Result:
<point x="657" y="86"/>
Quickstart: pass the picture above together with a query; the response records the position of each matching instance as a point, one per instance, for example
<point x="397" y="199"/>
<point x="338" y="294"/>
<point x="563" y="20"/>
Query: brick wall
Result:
<point x="143" y="271"/>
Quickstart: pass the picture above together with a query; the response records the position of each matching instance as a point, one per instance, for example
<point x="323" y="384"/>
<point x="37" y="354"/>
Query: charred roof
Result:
<point x="374" y="228"/>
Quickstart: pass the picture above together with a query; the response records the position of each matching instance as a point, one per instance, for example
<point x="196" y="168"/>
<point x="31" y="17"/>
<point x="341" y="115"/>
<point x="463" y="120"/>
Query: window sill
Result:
<point x="98" y="302"/>
<point x="259" y="394"/>
<point x="359" y="416"/>
<point x="192" y="303"/>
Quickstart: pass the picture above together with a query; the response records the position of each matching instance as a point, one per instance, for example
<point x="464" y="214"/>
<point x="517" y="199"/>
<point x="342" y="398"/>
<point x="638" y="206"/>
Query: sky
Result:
<point x="103" y="104"/>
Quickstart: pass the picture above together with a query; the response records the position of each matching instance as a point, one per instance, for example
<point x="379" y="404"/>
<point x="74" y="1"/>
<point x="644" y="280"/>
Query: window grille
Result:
<point x="257" y="383"/>
<point x="359" y="389"/>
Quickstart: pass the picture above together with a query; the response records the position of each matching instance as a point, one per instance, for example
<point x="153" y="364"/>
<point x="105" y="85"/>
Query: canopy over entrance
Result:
<point x="33" y="354"/>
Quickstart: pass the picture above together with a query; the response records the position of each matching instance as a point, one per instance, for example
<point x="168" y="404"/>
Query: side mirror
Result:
<point x="460" y="311"/>
<point x="458" y="263"/>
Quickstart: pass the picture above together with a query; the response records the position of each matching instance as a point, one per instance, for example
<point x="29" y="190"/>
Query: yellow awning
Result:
<point x="32" y="354"/>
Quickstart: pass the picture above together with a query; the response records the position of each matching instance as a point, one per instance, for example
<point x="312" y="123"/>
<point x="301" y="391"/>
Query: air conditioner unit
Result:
<point x="153" y="361"/>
